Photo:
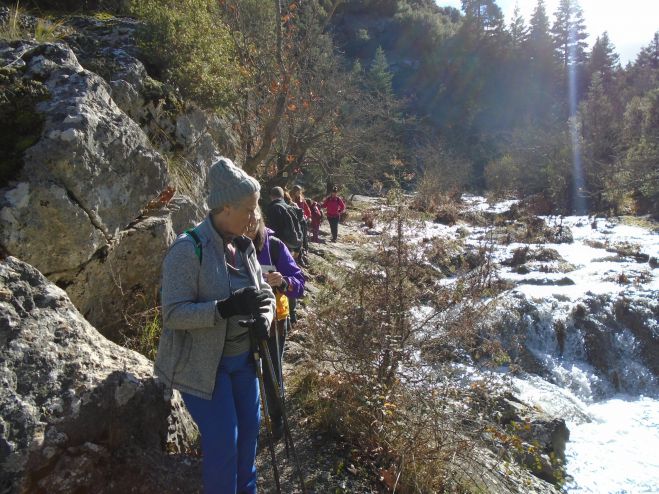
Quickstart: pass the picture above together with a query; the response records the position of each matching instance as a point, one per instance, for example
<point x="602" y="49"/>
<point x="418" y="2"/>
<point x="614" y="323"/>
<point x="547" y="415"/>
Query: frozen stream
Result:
<point x="611" y="406"/>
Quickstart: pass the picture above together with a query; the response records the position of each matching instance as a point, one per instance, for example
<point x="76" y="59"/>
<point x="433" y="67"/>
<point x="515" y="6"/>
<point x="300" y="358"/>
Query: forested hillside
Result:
<point x="517" y="103"/>
<point x="375" y="93"/>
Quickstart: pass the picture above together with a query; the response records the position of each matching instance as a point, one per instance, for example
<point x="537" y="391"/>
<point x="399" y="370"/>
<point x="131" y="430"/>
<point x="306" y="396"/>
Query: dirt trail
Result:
<point x="324" y="461"/>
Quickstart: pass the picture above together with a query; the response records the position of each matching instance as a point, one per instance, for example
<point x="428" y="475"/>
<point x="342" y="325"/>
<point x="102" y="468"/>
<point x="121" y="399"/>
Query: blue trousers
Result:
<point x="229" y="427"/>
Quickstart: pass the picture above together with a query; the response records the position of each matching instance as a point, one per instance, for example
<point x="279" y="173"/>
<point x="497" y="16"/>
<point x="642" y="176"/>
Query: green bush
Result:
<point x="190" y="44"/>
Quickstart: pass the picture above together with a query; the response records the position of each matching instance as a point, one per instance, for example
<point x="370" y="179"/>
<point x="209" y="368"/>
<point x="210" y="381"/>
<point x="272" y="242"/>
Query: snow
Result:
<point x="614" y="442"/>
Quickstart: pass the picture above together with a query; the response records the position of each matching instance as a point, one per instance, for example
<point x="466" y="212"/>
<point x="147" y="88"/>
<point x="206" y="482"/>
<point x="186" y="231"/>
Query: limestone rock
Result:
<point x="97" y="157"/>
<point x="79" y="413"/>
<point x="124" y="280"/>
<point x="42" y="218"/>
<point x="543" y="435"/>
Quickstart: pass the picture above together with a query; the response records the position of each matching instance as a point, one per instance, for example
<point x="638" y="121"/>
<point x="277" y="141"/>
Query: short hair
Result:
<point x="277" y="192"/>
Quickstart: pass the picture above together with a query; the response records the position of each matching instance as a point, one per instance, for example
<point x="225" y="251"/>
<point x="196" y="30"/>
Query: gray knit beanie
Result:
<point x="228" y="184"/>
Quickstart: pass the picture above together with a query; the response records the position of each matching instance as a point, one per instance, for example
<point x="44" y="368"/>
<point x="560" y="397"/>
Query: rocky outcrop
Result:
<point x="191" y="137"/>
<point x="543" y="437"/>
<point x="122" y="281"/>
<point x="79" y="413"/>
<point x="105" y="140"/>
<point x="85" y="181"/>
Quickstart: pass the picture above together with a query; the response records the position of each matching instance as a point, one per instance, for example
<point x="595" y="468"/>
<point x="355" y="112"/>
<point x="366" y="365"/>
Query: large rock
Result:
<point x="76" y="209"/>
<point x="92" y="161"/>
<point x="79" y="413"/>
<point x="123" y="281"/>
<point x="192" y="137"/>
<point x="543" y="437"/>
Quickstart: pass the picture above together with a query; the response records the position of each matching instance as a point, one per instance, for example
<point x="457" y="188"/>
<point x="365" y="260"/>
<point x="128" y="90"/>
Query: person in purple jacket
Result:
<point x="285" y="277"/>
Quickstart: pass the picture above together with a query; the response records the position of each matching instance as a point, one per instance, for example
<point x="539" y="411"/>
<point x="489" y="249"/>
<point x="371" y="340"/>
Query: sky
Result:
<point x="631" y="24"/>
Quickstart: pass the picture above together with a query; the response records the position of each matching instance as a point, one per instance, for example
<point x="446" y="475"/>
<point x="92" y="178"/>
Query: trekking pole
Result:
<point x="281" y="378"/>
<point x="265" y="353"/>
<point x="254" y="346"/>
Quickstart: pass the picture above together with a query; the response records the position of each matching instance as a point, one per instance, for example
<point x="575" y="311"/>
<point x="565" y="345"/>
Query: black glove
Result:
<point x="260" y="328"/>
<point x="246" y="300"/>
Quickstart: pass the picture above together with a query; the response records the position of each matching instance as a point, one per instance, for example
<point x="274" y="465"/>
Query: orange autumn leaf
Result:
<point x="388" y="477"/>
<point x="163" y="198"/>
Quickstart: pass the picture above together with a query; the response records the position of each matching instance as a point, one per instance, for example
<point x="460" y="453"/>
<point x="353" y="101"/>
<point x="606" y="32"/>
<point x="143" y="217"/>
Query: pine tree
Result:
<point x="641" y="134"/>
<point x="519" y="31"/>
<point x="605" y="60"/>
<point x="541" y="83"/>
<point x="484" y="16"/>
<point x="649" y="55"/>
<point x="599" y="125"/>
<point x="568" y="33"/>
<point x="643" y="75"/>
<point x="539" y="37"/>
<point x="379" y="75"/>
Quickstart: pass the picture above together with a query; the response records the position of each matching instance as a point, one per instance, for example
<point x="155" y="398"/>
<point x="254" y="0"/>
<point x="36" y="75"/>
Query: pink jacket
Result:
<point x="334" y="205"/>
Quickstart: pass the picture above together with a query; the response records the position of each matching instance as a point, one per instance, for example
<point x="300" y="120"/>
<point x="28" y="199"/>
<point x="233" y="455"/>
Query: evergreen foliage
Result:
<point x="188" y="43"/>
<point x="376" y="93"/>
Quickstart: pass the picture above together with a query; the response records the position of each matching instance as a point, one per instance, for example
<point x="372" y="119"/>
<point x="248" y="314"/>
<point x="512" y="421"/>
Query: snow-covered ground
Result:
<point x="614" y="442"/>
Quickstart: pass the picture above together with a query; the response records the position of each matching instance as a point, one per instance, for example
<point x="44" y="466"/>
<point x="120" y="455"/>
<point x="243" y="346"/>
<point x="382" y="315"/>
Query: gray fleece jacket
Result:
<point x="193" y="332"/>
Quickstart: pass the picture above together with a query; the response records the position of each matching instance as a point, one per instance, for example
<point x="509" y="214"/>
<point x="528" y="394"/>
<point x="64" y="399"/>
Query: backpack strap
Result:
<point x="197" y="242"/>
<point x="275" y="249"/>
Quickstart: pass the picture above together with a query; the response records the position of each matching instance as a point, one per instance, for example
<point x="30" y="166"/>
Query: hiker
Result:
<point x="316" y="218"/>
<point x="286" y="279"/>
<point x="282" y="219"/>
<point x="335" y="206"/>
<point x="298" y="214"/>
<point x="211" y="281"/>
<point x="297" y="195"/>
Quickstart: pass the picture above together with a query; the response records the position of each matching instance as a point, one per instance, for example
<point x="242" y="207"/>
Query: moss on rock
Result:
<point x="20" y="124"/>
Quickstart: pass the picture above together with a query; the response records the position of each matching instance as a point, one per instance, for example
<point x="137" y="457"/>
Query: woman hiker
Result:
<point x="297" y="196"/>
<point x="285" y="277"/>
<point x="335" y="206"/>
<point x="316" y="218"/>
<point x="211" y="281"/>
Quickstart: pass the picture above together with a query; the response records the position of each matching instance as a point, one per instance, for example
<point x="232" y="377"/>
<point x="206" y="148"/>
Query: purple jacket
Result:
<point x="285" y="265"/>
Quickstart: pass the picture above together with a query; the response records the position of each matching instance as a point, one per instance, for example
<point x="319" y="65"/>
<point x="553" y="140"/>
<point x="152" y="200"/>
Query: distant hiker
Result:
<point x="211" y="280"/>
<point x="298" y="214"/>
<point x="297" y="217"/>
<point x="284" y="276"/>
<point x="335" y="206"/>
<point x="316" y="218"/>
<point x="282" y="219"/>
<point x="298" y="199"/>
<point x="297" y="194"/>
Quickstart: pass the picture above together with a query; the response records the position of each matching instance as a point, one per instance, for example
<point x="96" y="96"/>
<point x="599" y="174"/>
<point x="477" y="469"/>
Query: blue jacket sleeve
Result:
<point x="291" y="272"/>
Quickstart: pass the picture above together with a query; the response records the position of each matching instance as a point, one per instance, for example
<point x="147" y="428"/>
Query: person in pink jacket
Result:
<point x="334" y="206"/>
